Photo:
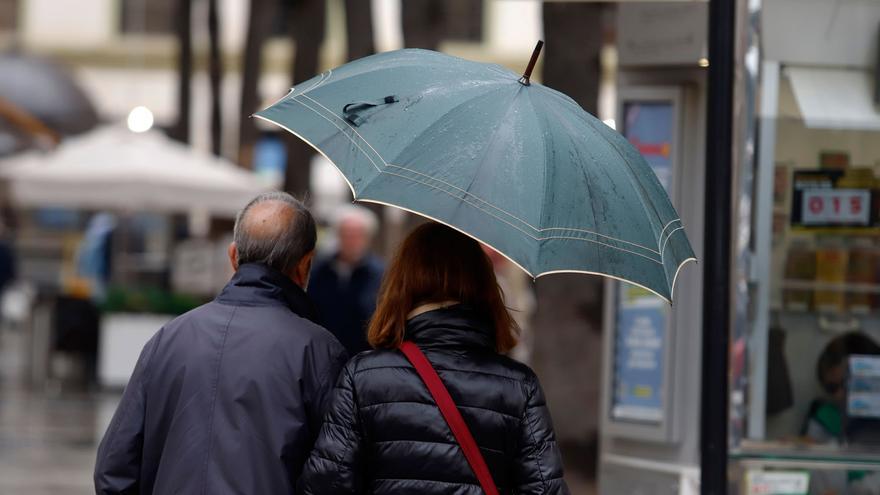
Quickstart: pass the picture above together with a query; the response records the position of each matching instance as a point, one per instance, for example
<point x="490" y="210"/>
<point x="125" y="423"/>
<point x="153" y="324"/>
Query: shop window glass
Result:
<point x="823" y="346"/>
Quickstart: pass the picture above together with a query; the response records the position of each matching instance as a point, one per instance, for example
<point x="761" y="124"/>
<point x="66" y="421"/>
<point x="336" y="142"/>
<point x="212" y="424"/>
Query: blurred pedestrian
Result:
<point x="229" y="397"/>
<point x="385" y="434"/>
<point x="344" y="285"/>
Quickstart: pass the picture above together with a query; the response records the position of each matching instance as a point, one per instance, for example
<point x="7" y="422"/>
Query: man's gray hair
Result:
<point x="287" y="244"/>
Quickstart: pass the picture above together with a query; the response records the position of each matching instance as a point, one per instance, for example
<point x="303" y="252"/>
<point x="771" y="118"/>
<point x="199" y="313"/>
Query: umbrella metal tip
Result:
<point x="524" y="80"/>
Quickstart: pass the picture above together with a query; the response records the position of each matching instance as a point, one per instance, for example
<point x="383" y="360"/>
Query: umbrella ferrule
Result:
<point x="524" y="80"/>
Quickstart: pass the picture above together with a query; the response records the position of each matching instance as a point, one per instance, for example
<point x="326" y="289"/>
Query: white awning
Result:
<point x="835" y="98"/>
<point x="114" y="168"/>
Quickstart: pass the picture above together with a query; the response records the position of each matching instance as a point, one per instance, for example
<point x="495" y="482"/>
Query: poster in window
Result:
<point x="642" y="318"/>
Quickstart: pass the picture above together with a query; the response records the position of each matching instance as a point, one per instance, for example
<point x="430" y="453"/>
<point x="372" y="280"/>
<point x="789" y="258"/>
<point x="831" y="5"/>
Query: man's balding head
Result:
<point x="276" y="230"/>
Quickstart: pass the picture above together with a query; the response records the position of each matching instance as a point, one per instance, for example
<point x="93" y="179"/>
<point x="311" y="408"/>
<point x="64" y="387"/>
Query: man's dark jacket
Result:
<point x="345" y="305"/>
<point x="227" y="398"/>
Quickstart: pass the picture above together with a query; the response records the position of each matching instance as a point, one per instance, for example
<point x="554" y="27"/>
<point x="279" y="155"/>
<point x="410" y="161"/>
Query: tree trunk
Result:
<point x="307" y="25"/>
<point x="259" y="23"/>
<point x="568" y="323"/>
<point x="359" y="34"/>
<point x="216" y="73"/>
<point x="180" y="131"/>
<point x="359" y="28"/>
<point x="423" y="23"/>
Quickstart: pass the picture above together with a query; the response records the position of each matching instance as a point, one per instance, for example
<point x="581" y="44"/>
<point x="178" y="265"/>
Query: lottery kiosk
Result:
<point x="651" y="366"/>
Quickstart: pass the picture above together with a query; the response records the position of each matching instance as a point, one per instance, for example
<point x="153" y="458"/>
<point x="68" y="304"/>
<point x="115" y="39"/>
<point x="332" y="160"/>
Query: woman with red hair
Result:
<point x="384" y="432"/>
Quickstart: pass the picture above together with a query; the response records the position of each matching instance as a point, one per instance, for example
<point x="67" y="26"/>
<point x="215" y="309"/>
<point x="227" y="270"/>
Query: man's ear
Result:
<point x="233" y="256"/>
<point x="303" y="268"/>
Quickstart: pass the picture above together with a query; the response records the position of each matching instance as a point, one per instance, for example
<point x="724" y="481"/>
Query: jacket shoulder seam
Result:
<point x="214" y="401"/>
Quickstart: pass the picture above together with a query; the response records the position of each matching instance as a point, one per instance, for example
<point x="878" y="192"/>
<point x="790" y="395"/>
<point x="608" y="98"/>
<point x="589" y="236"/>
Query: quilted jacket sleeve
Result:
<point x="334" y="464"/>
<point x="538" y="463"/>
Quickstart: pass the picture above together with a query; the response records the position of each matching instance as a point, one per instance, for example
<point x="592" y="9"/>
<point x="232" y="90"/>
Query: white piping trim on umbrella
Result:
<point x="675" y="277"/>
<point x="667" y="299"/>
<point x="668" y="224"/>
<point x="353" y="193"/>
<point x="325" y="76"/>
<point x="429" y="217"/>
<point x="663" y="247"/>
<point x="552" y="272"/>
<point x="279" y="100"/>
<point x="659" y="262"/>
<point x="524" y="222"/>
<point x="342" y="131"/>
<point x="660" y="237"/>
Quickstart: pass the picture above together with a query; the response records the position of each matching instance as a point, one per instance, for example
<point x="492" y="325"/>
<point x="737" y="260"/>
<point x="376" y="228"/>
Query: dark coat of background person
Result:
<point x="345" y="305"/>
<point x="227" y="398"/>
<point x="384" y="434"/>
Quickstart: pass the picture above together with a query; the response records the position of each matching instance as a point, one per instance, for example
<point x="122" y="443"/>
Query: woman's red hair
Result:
<point x="435" y="264"/>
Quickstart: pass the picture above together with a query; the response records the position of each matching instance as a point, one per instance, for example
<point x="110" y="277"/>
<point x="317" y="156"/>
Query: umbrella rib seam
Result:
<point x="519" y="229"/>
<point x="633" y="177"/>
<point x="342" y="131"/>
<point x="466" y="192"/>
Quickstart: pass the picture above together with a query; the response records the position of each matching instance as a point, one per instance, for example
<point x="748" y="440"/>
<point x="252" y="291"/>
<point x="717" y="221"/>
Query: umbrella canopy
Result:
<point x="516" y="165"/>
<point x="46" y="91"/>
<point x="114" y="168"/>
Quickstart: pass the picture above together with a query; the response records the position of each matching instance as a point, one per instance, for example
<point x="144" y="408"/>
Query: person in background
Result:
<point x="344" y="285"/>
<point x="384" y="434"/>
<point x="94" y="263"/>
<point x="229" y="397"/>
<point x="825" y="420"/>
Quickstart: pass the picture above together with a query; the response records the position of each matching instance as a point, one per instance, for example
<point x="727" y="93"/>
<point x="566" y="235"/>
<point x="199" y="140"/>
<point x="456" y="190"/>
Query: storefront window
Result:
<point x="821" y="356"/>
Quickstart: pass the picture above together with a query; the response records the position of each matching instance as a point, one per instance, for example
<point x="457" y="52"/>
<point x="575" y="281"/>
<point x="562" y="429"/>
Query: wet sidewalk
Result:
<point x="48" y="439"/>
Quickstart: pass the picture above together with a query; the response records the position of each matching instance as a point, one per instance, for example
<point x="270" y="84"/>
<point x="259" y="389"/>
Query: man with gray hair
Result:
<point x="229" y="397"/>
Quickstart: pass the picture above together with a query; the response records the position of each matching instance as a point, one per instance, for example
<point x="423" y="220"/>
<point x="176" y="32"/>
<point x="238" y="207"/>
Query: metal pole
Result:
<point x="184" y="70"/>
<point x="215" y="69"/>
<point x="718" y="244"/>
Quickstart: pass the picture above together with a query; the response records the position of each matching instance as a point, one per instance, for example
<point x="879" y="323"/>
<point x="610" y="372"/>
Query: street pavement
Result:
<point x="48" y="438"/>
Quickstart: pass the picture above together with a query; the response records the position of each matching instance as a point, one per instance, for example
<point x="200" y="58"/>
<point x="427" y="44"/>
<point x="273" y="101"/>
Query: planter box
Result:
<point x="122" y="337"/>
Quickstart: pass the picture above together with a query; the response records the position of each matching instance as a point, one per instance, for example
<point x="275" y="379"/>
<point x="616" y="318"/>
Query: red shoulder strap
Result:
<point x="451" y="414"/>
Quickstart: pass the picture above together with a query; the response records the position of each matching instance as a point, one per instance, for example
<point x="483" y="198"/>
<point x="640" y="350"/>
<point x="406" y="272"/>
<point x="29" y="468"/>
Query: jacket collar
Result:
<point x="458" y="326"/>
<point x="255" y="284"/>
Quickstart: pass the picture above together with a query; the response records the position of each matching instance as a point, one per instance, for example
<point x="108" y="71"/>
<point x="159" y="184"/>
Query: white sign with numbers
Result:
<point x="836" y="207"/>
<point x="777" y="482"/>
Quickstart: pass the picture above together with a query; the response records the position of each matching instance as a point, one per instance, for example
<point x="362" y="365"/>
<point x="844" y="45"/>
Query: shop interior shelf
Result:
<point x="850" y="287"/>
<point x="794" y="453"/>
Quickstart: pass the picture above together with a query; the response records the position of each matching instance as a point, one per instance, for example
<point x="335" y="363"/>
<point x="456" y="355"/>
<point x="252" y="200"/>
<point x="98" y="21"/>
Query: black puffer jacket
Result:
<point x="384" y="433"/>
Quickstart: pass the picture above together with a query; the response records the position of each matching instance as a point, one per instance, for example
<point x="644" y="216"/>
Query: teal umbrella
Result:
<point x="514" y="164"/>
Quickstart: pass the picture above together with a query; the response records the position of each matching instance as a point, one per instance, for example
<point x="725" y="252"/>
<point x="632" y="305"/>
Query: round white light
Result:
<point x="703" y="62"/>
<point x="140" y="119"/>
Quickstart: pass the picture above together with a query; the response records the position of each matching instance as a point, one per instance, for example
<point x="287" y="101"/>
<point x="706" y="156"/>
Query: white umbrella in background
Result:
<point x="114" y="168"/>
